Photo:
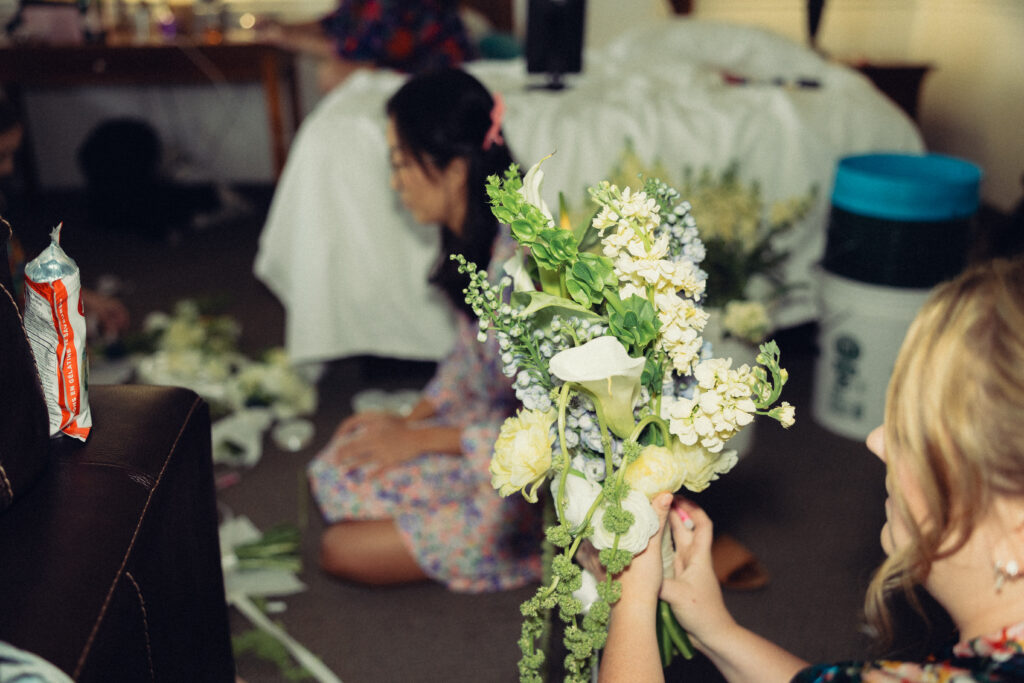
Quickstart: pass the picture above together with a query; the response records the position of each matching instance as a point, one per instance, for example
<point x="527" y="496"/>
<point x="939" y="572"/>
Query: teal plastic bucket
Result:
<point x="901" y="220"/>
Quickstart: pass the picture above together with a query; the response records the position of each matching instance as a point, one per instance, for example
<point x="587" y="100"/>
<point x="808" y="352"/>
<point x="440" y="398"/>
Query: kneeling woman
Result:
<point x="409" y="498"/>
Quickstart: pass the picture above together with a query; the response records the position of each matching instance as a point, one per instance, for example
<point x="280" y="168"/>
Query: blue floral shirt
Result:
<point x="997" y="658"/>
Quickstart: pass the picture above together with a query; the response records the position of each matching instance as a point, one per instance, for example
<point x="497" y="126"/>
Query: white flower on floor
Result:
<point x="273" y="383"/>
<point x="200" y="352"/>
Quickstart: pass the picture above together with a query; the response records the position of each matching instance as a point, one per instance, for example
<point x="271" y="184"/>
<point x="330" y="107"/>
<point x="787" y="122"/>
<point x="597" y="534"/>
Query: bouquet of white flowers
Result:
<point x="622" y="399"/>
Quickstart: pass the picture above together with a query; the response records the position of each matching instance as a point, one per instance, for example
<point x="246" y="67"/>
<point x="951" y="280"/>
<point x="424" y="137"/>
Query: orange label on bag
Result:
<point x="56" y="331"/>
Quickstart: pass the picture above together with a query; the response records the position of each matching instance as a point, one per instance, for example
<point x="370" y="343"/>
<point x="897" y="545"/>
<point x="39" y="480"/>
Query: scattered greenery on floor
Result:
<point x="262" y="645"/>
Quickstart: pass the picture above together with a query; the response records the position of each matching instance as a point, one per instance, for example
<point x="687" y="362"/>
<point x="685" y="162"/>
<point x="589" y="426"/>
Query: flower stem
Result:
<point x="563" y="401"/>
<point x="656" y="421"/>
<point x="675" y="632"/>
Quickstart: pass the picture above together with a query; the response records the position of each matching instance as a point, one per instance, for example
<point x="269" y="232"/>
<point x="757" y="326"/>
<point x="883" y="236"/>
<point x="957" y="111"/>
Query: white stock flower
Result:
<point x="605" y="368"/>
<point x="681" y="325"/>
<point x="645" y="525"/>
<point x="786" y="414"/>
<point x="721" y="405"/>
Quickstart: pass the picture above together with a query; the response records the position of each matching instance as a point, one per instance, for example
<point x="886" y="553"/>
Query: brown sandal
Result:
<point x="735" y="566"/>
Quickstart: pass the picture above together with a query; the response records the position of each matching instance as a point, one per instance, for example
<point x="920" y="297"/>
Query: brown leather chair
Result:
<point x="109" y="558"/>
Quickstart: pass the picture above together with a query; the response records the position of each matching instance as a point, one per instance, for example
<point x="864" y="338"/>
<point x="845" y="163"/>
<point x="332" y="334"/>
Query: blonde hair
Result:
<point x="955" y="416"/>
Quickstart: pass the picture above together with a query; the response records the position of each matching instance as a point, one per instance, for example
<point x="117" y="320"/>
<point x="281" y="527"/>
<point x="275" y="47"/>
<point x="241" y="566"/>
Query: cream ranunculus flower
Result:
<point x="605" y="368"/>
<point x="645" y="525"/>
<point x="703" y="466"/>
<point x="522" y="453"/>
<point x="580" y="494"/>
<point x="656" y="470"/>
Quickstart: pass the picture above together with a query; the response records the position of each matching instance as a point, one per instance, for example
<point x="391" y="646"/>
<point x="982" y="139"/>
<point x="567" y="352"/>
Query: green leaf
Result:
<point x="601" y="268"/>
<point x="535" y="302"/>
<point x="580" y="293"/>
<point x="264" y="646"/>
<point x="503" y="214"/>
<point x="583" y="274"/>
<point x="635" y="323"/>
<point x="523" y="230"/>
<point x="589" y="276"/>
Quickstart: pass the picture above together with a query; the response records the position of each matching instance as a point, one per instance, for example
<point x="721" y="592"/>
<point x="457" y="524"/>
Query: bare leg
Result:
<point x="368" y="551"/>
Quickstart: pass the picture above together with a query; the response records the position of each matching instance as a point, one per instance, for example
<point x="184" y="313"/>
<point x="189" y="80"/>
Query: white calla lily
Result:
<point x="531" y="188"/>
<point x="604" y="368"/>
<point x="515" y="268"/>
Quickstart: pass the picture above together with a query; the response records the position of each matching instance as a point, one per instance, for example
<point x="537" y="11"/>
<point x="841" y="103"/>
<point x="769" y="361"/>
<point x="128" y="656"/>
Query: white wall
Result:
<point x="209" y="132"/>
<point x="972" y="103"/>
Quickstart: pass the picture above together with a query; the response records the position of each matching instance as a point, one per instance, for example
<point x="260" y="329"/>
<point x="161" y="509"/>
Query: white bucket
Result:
<point x="860" y="332"/>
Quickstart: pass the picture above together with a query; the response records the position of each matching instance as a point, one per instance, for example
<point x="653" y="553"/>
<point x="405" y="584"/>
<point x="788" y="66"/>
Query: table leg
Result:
<point x="269" y="66"/>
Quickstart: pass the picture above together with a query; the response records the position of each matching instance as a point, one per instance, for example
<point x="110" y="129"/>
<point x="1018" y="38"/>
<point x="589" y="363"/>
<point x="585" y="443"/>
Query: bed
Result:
<point x="350" y="267"/>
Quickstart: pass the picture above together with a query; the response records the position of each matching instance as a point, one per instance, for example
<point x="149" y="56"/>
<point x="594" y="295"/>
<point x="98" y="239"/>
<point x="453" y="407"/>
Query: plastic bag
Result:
<point x="55" y="323"/>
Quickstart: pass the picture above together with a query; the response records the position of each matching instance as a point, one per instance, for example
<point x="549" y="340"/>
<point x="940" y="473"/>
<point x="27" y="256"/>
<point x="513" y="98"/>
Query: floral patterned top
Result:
<point x="998" y="657"/>
<point x="461" y="532"/>
<point x="410" y="36"/>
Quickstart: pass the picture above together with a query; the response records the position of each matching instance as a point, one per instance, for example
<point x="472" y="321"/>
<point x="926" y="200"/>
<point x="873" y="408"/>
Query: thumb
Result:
<point x="662" y="503"/>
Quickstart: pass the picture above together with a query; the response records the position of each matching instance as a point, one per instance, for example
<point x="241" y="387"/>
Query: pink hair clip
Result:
<point x="493" y="136"/>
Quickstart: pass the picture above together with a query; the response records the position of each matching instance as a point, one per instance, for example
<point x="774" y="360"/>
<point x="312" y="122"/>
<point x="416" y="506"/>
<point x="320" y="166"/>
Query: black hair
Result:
<point x="441" y="116"/>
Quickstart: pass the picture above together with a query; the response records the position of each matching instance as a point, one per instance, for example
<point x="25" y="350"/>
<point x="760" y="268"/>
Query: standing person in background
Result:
<point x="411" y="36"/>
<point x="410" y="498"/>
<point x="953" y="444"/>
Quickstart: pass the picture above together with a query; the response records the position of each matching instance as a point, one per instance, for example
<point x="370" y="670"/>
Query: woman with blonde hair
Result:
<point x="953" y="444"/>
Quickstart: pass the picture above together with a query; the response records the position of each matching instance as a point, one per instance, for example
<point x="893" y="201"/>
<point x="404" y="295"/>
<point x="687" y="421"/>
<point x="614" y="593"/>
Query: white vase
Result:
<point x="741" y="352"/>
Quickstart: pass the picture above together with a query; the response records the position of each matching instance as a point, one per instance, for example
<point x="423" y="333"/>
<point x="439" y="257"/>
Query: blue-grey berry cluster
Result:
<point x="522" y="345"/>
<point x="676" y="219"/>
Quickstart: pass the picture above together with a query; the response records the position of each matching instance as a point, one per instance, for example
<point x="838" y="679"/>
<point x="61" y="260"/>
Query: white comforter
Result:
<point x="350" y="266"/>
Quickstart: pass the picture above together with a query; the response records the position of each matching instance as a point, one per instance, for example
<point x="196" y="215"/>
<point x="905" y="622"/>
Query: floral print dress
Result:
<point x="406" y="35"/>
<point x="996" y="658"/>
<point x="461" y="532"/>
